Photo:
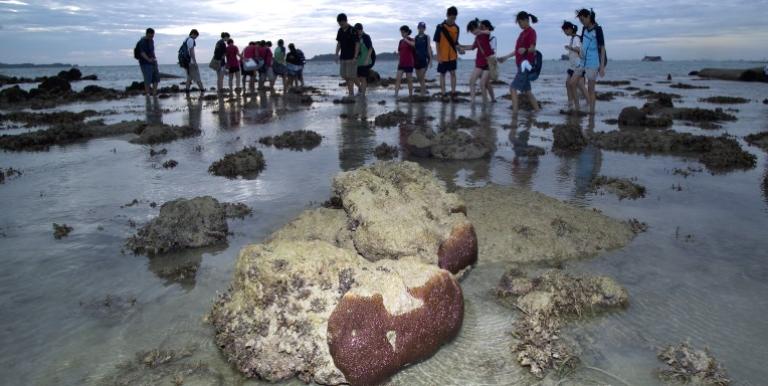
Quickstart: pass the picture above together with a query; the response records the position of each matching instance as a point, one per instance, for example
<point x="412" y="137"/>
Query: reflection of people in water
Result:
<point x="582" y="168"/>
<point x="229" y="118"/>
<point x="765" y="184"/>
<point x="195" y="110"/>
<point x="357" y="138"/>
<point x="524" y="167"/>
<point x="154" y="111"/>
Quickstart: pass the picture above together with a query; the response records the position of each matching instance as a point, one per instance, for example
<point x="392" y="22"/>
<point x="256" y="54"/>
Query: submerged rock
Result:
<point x="61" y="231"/>
<point x="614" y="83"/>
<point x="311" y="310"/>
<point x="40" y="140"/>
<point x="687" y="365"/>
<point x="386" y="152"/>
<point x="621" y="187"/>
<point x="32" y="119"/>
<point x="295" y="140"/>
<point x="684" y="86"/>
<point x="392" y="118"/>
<point x="170" y="164"/>
<point x="518" y="225"/>
<point x="400" y="209"/>
<point x="164" y="366"/>
<point x="760" y="140"/>
<point x="459" y="145"/>
<point x="634" y="117"/>
<point x="247" y="163"/>
<point x="160" y="133"/>
<point x="8" y="173"/>
<point x="718" y="154"/>
<point x="549" y="302"/>
<point x="183" y="224"/>
<point x="568" y="139"/>
<point x="725" y="100"/>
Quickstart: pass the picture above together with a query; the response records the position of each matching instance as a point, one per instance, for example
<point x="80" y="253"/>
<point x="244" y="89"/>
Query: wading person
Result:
<point x="525" y="55"/>
<point x="278" y="63"/>
<point x="249" y="67"/>
<point x="573" y="49"/>
<point x="218" y="63"/>
<point x="485" y="54"/>
<point x="366" y="58"/>
<point x="293" y="65"/>
<point x="193" y="71"/>
<point x="233" y="65"/>
<point x="405" y="51"/>
<point x="145" y="53"/>
<point x="424" y="56"/>
<point x="446" y="38"/>
<point x="593" y="56"/>
<point x="346" y="47"/>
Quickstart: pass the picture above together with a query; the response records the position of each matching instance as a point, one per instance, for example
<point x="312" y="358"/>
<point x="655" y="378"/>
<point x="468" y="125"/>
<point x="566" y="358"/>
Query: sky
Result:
<point x="104" y="32"/>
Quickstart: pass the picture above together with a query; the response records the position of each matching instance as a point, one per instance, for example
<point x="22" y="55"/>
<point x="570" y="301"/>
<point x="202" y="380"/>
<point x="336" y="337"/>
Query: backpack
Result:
<point x="184" y="58"/>
<point x="137" y="51"/>
<point x="538" y="62"/>
<point x="303" y="60"/>
<point x="598" y="51"/>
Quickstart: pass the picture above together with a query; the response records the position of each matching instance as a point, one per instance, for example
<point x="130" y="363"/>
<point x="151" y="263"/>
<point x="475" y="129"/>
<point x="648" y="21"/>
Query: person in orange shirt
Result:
<point x="448" y="50"/>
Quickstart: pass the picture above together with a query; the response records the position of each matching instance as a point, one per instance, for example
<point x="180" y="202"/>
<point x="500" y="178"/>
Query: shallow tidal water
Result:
<point x="699" y="273"/>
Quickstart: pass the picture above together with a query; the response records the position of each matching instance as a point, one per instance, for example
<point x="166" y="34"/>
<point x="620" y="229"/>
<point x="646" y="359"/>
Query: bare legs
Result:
<point x="531" y="98"/>
<point x="589" y="91"/>
<point x="236" y="76"/>
<point x="476" y="73"/>
<point x="422" y="75"/>
<point x="409" y="78"/>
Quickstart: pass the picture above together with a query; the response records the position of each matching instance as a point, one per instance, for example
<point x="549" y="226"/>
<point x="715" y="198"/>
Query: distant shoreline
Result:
<point x="32" y="65"/>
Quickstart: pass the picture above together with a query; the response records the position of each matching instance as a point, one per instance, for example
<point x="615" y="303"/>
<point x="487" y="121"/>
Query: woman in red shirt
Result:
<point x="233" y="64"/>
<point x="525" y="55"/>
<point x="484" y="53"/>
<point x="406" y="50"/>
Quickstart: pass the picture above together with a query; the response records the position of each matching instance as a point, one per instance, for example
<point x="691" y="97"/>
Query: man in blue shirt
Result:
<point x="148" y="62"/>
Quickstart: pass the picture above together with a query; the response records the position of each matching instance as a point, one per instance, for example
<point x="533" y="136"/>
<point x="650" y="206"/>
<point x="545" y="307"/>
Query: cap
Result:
<point x="422" y="24"/>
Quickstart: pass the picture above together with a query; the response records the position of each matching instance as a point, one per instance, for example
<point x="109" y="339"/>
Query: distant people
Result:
<point x="303" y="62"/>
<point x="265" y="64"/>
<point x="294" y="64"/>
<point x="593" y="56"/>
<point x="447" y="38"/>
<point x="424" y="56"/>
<point x="346" y="47"/>
<point x="250" y="66"/>
<point x="525" y="55"/>
<point x="278" y="65"/>
<point x="233" y="65"/>
<point x="366" y="58"/>
<point x="269" y="63"/>
<point x="493" y="63"/>
<point x="485" y="54"/>
<point x="573" y="48"/>
<point x="218" y="63"/>
<point x="193" y="71"/>
<point x="145" y="53"/>
<point x="406" y="53"/>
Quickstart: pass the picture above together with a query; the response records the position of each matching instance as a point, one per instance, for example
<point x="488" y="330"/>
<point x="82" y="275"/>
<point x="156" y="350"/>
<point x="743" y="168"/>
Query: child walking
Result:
<point x="233" y="65"/>
<point x="525" y="55"/>
<point x="573" y="48"/>
<point x="485" y="54"/>
<point x="593" y="56"/>
<point x="424" y="56"/>
<point x="406" y="51"/>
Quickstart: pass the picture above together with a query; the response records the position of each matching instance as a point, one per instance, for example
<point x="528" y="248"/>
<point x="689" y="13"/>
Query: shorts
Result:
<point x="247" y="73"/>
<point x="422" y="63"/>
<point x="522" y="81"/>
<point x="444" y="67"/>
<point x="267" y="73"/>
<point x="150" y="73"/>
<point x="588" y="73"/>
<point x="193" y="73"/>
<point x="484" y="68"/>
<point x="570" y="72"/>
<point x="233" y="70"/>
<point x="364" y="71"/>
<point x="348" y="69"/>
<point x="278" y="68"/>
<point x="293" y="69"/>
<point x="407" y="70"/>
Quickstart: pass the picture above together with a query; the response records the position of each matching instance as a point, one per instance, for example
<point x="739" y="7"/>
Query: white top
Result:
<point x="573" y="56"/>
<point x="191" y="46"/>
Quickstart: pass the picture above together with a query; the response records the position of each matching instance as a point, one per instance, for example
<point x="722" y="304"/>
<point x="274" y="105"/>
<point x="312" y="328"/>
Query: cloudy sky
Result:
<point x="95" y="32"/>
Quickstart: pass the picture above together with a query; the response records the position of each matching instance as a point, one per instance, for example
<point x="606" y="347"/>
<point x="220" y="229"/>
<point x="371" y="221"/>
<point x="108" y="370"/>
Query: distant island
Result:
<point x="385" y="56"/>
<point x="652" y="59"/>
<point x="32" y="65"/>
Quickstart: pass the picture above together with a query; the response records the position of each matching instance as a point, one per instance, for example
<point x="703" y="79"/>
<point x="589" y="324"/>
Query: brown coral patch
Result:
<point x="459" y="250"/>
<point x="369" y="345"/>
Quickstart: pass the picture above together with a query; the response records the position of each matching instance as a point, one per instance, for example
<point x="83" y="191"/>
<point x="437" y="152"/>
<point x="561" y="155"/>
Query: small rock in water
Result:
<point x="386" y="152"/>
<point x="621" y="187"/>
<point x="61" y="231"/>
<point x="298" y="140"/>
<point x="170" y="164"/>
<point x="568" y="139"/>
<point x="247" y="163"/>
<point x="153" y="153"/>
<point x="687" y="365"/>
<point x="392" y="118"/>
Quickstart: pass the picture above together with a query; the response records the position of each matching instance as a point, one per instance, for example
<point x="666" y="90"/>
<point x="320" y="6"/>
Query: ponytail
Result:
<point x="527" y="16"/>
<point x="534" y="19"/>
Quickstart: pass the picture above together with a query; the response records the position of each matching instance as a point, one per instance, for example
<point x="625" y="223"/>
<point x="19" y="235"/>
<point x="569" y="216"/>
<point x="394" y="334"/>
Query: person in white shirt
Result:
<point x="193" y="71"/>
<point x="574" y="58"/>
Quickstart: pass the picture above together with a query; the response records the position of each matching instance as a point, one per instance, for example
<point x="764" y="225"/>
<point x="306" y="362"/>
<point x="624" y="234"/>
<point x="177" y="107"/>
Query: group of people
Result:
<point x="587" y="55"/>
<point x="228" y="60"/>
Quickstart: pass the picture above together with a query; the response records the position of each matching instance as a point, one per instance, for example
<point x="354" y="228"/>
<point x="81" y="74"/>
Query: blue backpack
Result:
<point x="538" y="62"/>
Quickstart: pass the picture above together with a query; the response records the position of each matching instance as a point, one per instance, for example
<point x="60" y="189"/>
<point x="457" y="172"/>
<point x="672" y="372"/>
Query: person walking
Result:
<point x="193" y="71"/>
<point x="593" y="56"/>
<point x="233" y="65"/>
<point x="293" y="65"/>
<point x="218" y="63"/>
<point x="447" y="40"/>
<point x="485" y="54"/>
<point x="278" y="65"/>
<point x="346" y="47"/>
<point x="424" y="56"/>
<point x="525" y="55"/>
<point x="249" y="66"/>
<point x="405" y="51"/>
<point x="145" y="53"/>
<point x="366" y="58"/>
<point x="573" y="78"/>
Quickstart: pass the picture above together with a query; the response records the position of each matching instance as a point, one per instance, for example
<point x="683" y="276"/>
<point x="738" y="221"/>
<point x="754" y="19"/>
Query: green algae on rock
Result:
<point x="247" y="163"/>
<point x="518" y="225"/>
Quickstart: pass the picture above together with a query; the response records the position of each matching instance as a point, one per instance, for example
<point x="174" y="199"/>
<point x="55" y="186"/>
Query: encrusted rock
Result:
<point x="459" y="145"/>
<point x="759" y="139"/>
<point x="294" y="140"/>
<point x="688" y="365"/>
<point x="386" y="152"/>
<point x="248" y="162"/>
<point x="621" y="187"/>
<point x="634" y="117"/>
<point x="568" y="139"/>
<point x="154" y="134"/>
<point x="392" y="118"/>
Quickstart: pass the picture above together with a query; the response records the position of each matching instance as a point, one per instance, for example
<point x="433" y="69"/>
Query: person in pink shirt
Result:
<point x="233" y="64"/>
<point x="485" y="53"/>
<point x="249" y="53"/>
<point x="406" y="51"/>
<point x="525" y="56"/>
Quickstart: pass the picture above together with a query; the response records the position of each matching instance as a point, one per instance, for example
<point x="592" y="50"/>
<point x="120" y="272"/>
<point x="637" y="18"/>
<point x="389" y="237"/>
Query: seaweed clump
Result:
<point x="295" y="140"/>
<point x="248" y="162"/>
<point x="687" y="365"/>
<point x="386" y="151"/>
<point x="760" y="140"/>
<point x="621" y="187"/>
<point x="61" y="231"/>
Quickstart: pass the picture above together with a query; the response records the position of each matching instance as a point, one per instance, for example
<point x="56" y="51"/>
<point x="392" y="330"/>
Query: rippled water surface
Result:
<point x="699" y="273"/>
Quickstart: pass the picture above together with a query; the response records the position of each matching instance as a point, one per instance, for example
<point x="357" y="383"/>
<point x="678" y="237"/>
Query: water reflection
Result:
<point x="181" y="268"/>
<point x="357" y="137"/>
<point x="195" y="112"/>
<point x="524" y="165"/>
<point x="229" y="112"/>
<point x="576" y="172"/>
<point x="154" y="111"/>
<point x="765" y="185"/>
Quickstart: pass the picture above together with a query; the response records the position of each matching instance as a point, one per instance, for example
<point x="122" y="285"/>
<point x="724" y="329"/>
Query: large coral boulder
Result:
<point x="459" y="145"/>
<point x="326" y="315"/>
<point x="184" y="223"/>
<point x="401" y="209"/>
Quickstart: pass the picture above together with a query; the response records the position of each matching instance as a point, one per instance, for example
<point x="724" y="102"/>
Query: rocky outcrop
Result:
<point x="183" y="224"/>
<point x="298" y="140"/>
<point x="634" y="117"/>
<point x="161" y="133"/>
<point x="748" y="75"/>
<point x="68" y="133"/>
<point x="568" y="139"/>
<point x="247" y="163"/>
<point x="386" y="151"/>
<point x="758" y="139"/>
<point x="685" y="364"/>
<point x="401" y="210"/>
<point x="324" y="314"/>
<point x="449" y="144"/>
<point x="621" y="187"/>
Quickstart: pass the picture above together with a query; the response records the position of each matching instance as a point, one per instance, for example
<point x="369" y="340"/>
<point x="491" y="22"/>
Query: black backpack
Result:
<point x="184" y="58"/>
<point x="137" y="51"/>
<point x="538" y="62"/>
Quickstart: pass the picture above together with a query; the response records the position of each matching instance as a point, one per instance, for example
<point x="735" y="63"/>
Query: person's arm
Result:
<point x="601" y="49"/>
<point x="338" y="45"/>
<point x="410" y="42"/>
<point x="357" y="49"/>
<point x="368" y="44"/>
<point x="431" y="55"/>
